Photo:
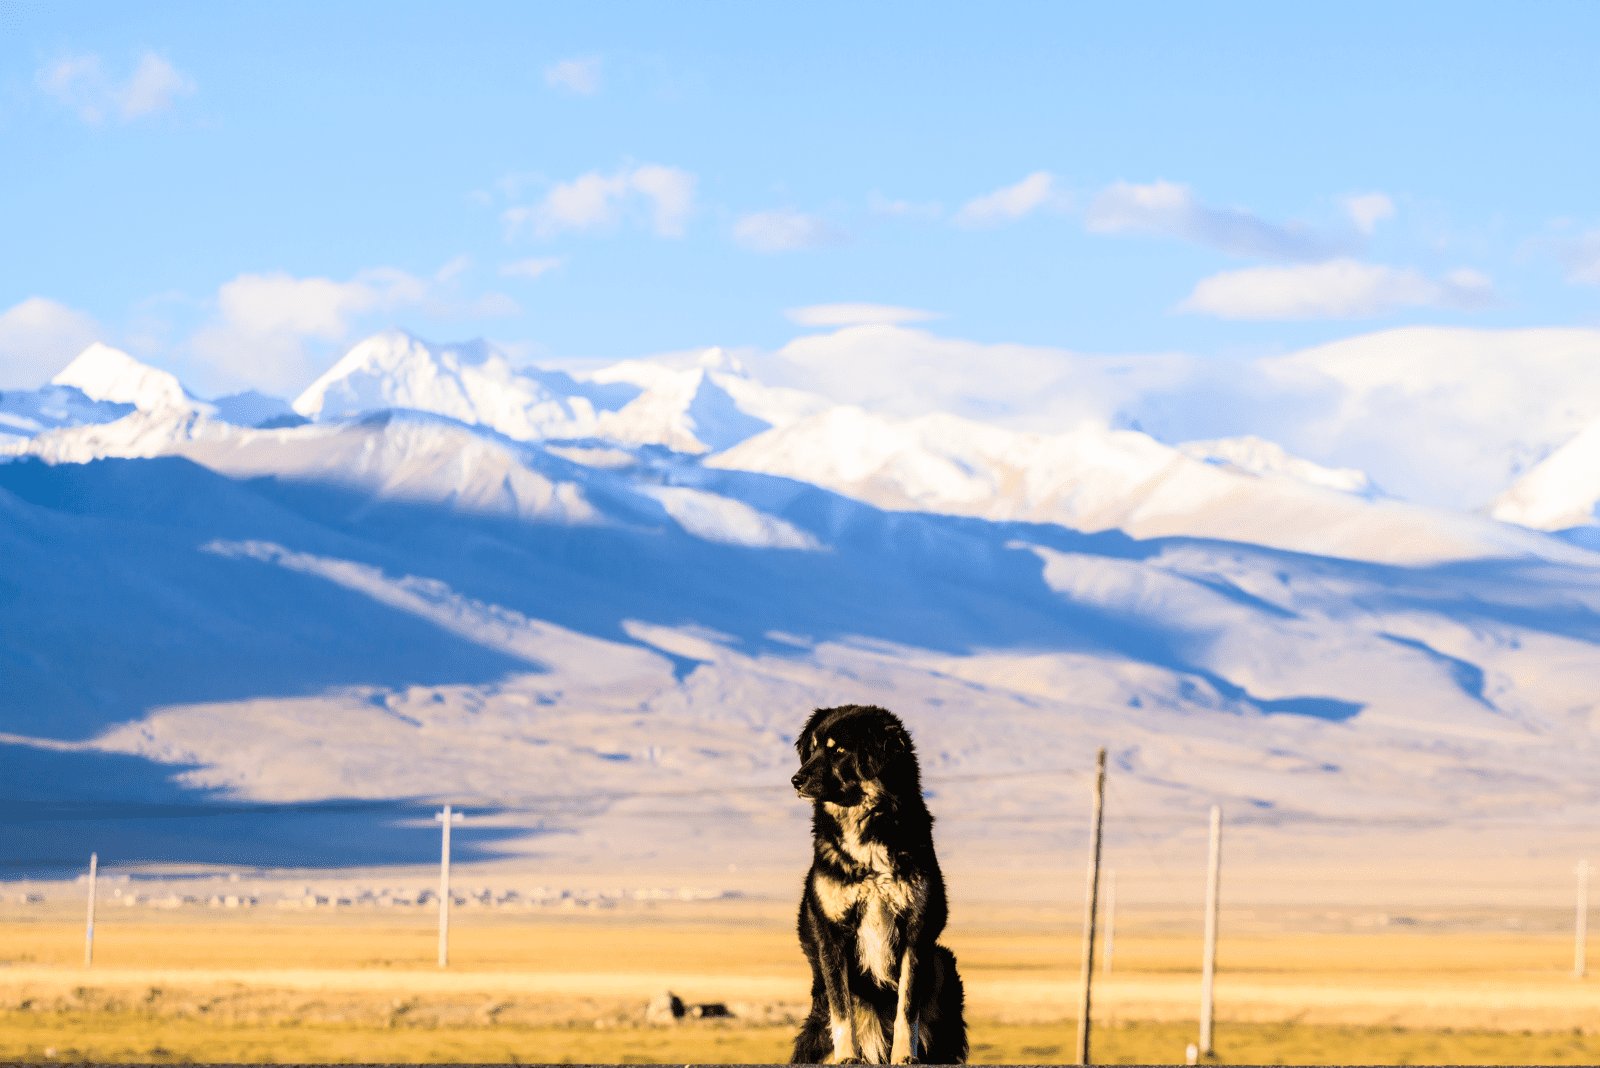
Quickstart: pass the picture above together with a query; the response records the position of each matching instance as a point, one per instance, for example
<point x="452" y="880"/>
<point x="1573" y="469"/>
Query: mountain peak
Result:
<point x="107" y="374"/>
<point x="695" y="402"/>
<point x="397" y="369"/>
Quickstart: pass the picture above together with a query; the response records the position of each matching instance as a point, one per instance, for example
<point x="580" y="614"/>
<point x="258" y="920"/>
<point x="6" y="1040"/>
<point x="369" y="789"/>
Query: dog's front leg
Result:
<point x="841" y="1011"/>
<point x="901" y="1052"/>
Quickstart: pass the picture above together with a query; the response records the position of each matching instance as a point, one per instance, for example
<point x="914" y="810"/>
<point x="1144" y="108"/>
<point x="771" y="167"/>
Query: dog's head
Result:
<point x="844" y="749"/>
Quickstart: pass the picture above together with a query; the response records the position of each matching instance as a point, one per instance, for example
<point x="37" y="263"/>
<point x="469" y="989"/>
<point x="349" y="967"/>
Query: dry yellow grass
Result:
<point x="361" y="985"/>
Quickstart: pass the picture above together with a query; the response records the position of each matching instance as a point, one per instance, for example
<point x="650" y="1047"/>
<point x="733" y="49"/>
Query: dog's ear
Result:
<point x="882" y="751"/>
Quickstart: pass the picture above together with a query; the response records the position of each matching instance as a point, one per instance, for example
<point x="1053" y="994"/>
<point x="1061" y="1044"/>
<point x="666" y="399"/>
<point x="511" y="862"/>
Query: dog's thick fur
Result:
<point x="882" y="989"/>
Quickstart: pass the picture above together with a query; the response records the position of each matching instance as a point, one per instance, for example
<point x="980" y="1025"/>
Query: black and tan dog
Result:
<point x="882" y="990"/>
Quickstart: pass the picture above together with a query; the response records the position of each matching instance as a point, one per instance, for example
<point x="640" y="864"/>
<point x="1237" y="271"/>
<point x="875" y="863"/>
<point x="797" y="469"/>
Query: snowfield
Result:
<point x="559" y="597"/>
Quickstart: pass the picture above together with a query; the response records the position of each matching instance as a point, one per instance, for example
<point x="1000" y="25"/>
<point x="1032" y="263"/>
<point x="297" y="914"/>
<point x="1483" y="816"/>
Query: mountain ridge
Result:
<point x="408" y="604"/>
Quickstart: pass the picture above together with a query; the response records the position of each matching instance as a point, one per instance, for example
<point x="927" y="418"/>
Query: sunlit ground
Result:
<point x="1294" y="986"/>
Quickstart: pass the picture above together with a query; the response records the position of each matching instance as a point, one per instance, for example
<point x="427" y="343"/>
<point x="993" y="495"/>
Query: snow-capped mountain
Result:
<point x="1561" y="492"/>
<point x="25" y="413"/>
<point x="401" y="601"/>
<point x="107" y="374"/>
<point x="1099" y="479"/>
<point x="1268" y="459"/>
<point x="703" y="407"/>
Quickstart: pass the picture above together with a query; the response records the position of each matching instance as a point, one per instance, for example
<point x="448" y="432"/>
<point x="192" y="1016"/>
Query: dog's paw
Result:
<point x="909" y="1060"/>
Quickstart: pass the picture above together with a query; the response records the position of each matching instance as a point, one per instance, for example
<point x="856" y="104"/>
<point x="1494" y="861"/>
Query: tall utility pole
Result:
<point x="1213" y="884"/>
<point x="1091" y="902"/>
<point x="1580" y="966"/>
<point x="1111" y="921"/>
<point x="88" y="930"/>
<point x="447" y="818"/>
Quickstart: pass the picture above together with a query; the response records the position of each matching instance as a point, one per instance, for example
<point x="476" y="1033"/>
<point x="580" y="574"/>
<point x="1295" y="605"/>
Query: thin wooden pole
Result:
<point x="1091" y="901"/>
<point x="1213" y="885"/>
<point x="446" y="818"/>
<point x="88" y="930"/>
<point x="1580" y="964"/>
<point x="1111" y="921"/>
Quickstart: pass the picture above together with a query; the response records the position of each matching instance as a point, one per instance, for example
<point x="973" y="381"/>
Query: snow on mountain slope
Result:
<point x="694" y="409"/>
<point x="471" y="382"/>
<point x="1254" y="456"/>
<point x="706" y="400"/>
<point x="420" y="458"/>
<point x="102" y="385"/>
<point x="1561" y="492"/>
<point x="141" y="433"/>
<point x="404" y="459"/>
<point x="108" y="374"/>
<point x="732" y="522"/>
<point x="25" y="413"/>
<point x="1097" y="479"/>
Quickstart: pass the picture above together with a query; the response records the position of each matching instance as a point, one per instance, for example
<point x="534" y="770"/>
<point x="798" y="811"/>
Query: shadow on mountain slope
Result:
<point x="56" y="807"/>
<point x="108" y="607"/>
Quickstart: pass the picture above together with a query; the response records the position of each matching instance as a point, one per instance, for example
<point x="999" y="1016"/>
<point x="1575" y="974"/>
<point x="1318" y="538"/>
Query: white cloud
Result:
<point x="672" y="191"/>
<point x="81" y="83"/>
<point x="599" y="201"/>
<point x="493" y="305"/>
<point x="532" y="268"/>
<point x="580" y="75"/>
<point x="1446" y="416"/>
<point x="38" y="337"/>
<point x="1337" y="289"/>
<point x="907" y="371"/>
<point x="267" y="326"/>
<point x="456" y="265"/>
<point x="785" y="230"/>
<point x="1171" y="210"/>
<point x="879" y="204"/>
<point x="1037" y="190"/>
<point x="1367" y="210"/>
<point x="314" y="307"/>
<point x="153" y="87"/>
<point x="856" y="314"/>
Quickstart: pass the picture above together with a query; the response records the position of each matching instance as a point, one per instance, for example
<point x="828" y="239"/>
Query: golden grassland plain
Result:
<point x="1294" y="986"/>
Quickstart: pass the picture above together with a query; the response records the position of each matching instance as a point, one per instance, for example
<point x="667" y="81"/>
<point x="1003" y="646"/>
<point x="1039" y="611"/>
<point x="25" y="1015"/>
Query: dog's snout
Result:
<point x="794" y="780"/>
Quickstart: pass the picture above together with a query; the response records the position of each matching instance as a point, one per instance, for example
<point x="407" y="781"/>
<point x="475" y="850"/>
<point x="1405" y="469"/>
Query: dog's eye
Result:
<point x="830" y="743"/>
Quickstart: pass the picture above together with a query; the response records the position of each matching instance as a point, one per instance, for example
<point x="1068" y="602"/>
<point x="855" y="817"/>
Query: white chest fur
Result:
<point x="881" y="894"/>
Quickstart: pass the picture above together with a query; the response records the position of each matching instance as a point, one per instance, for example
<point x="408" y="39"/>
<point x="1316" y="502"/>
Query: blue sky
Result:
<point x="236" y="192"/>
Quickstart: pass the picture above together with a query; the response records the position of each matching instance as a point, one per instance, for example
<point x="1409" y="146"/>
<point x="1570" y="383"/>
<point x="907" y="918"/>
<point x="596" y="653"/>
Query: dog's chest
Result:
<point x="881" y="897"/>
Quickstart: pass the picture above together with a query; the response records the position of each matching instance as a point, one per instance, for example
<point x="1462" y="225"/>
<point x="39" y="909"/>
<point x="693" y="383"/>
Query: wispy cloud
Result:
<point x="856" y="314"/>
<point x="599" y="201"/>
<point x="785" y="230"/>
<point x="1337" y="289"/>
<point x="532" y="268"/>
<point x="1170" y="209"/>
<point x="1367" y="210"/>
<point x="456" y="265"/>
<point x="879" y="204"/>
<point x="82" y="83"/>
<point x="37" y="338"/>
<point x="263" y="323"/>
<point x="1581" y="257"/>
<point x="580" y="75"/>
<point x="1037" y="190"/>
